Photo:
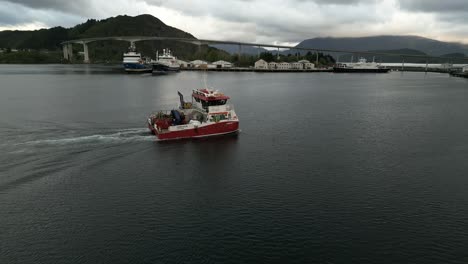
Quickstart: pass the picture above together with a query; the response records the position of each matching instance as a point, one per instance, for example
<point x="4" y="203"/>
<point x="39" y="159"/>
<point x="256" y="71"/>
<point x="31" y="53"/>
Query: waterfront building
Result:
<point x="284" y="66"/>
<point x="199" y="64"/>
<point x="222" y="64"/>
<point x="184" y="64"/>
<point x="307" y="64"/>
<point x="261" y="64"/>
<point x="297" y="66"/>
<point x="300" y="65"/>
<point x="272" y="65"/>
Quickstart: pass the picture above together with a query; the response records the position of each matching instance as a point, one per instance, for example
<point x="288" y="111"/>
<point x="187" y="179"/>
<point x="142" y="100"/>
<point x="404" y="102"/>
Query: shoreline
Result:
<point x="117" y="67"/>
<point x="243" y="69"/>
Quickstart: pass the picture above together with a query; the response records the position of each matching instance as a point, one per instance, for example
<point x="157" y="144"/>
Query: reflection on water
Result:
<point x="60" y="69"/>
<point x="328" y="168"/>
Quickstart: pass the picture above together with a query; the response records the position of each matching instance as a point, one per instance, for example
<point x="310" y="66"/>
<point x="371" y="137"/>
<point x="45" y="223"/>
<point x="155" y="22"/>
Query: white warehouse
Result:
<point x="307" y="64"/>
<point x="261" y="64"/>
<point x="222" y="64"/>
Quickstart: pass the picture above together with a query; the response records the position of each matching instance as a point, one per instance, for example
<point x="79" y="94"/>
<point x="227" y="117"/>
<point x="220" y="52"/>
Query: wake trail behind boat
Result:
<point x="120" y="136"/>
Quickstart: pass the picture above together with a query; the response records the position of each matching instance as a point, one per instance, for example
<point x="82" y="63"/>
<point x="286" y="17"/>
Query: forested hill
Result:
<point x="143" y="25"/>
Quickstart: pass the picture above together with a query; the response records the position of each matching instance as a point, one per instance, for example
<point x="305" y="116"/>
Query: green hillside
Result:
<point x="102" y="51"/>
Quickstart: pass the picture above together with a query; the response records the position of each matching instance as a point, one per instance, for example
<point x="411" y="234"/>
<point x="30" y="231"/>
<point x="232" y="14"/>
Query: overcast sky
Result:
<point x="261" y="21"/>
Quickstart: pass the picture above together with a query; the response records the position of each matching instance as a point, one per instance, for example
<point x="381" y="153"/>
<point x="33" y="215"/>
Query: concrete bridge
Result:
<point x="68" y="51"/>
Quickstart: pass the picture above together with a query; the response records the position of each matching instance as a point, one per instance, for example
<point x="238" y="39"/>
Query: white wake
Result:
<point x="120" y="136"/>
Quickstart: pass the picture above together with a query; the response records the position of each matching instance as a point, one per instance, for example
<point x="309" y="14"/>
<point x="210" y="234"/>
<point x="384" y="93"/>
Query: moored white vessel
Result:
<point x="361" y="66"/>
<point x="133" y="62"/>
<point x="165" y="62"/>
<point x="207" y="115"/>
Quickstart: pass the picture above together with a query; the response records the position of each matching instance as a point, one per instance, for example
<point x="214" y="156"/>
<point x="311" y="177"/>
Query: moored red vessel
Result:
<point x="207" y="115"/>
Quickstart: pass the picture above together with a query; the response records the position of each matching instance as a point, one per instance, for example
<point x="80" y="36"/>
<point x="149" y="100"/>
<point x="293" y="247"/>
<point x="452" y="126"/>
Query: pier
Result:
<point x="459" y="74"/>
<point x="132" y="40"/>
<point x="252" y="69"/>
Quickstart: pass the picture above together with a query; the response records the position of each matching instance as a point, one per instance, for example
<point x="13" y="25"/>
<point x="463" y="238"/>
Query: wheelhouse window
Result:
<point x="206" y="104"/>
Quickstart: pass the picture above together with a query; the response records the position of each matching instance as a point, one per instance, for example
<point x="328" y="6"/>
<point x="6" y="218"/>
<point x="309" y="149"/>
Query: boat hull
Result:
<point x="213" y="129"/>
<point x="158" y="67"/>
<point x="137" y="68"/>
<point x="351" y="70"/>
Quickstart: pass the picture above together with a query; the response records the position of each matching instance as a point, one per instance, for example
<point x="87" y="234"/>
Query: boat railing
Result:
<point x="221" y="108"/>
<point x="168" y="112"/>
<point x="161" y="112"/>
<point x="229" y="107"/>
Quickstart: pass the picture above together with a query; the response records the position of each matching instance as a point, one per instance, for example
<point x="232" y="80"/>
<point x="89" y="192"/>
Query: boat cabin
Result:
<point x="207" y="98"/>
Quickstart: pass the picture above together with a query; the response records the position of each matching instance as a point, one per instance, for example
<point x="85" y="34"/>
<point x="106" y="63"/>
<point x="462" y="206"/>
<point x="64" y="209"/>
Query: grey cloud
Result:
<point x="74" y="6"/>
<point x="291" y="2"/>
<point x="338" y="2"/>
<point x="450" y="12"/>
<point x="16" y="13"/>
<point x="8" y="15"/>
<point x="435" y="6"/>
<point x="290" y="21"/>
<point x="254" y="20"/>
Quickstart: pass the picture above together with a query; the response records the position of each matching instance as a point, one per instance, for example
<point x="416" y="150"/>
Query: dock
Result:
<point x="419" y="69"/>
<point x="459" y="74"/>
<point x="244" y="69"/>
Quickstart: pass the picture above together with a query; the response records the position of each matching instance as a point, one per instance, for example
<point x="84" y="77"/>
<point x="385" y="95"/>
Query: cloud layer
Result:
<point x="273" y="21"/>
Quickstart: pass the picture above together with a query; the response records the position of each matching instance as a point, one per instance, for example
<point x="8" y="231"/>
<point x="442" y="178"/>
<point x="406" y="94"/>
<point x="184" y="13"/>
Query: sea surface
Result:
<point x="328" y="168"/>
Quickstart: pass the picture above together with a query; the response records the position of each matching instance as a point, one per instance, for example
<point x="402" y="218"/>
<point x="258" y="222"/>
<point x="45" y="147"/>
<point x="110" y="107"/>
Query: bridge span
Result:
<point x="68" y="52"/>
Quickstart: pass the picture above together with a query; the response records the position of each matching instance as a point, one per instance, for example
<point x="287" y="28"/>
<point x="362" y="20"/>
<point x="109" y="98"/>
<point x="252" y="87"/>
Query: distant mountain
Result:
<point x="398" y="59"/>
<point x="411" y="45"/>
<point x="386" y="58"/>
<point x="143" y="25"/>
<point x="428" y="46"/>
<point x="234" y="49"/>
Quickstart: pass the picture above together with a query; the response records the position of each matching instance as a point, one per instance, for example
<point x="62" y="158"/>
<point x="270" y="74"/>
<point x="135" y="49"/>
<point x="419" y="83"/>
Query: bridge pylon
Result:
<point x="86" y="53"/>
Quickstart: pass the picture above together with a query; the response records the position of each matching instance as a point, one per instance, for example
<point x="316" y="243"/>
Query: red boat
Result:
<point x="207" y="115"/>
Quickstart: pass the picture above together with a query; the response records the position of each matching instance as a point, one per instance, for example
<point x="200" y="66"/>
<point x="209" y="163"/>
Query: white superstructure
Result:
<point x="166" y="61"/>
<point x="133" y="62"/>
<point x="361" y="66"/>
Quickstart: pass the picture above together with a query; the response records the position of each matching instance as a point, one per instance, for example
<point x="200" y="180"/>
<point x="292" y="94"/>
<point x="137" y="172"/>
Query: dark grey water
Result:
<point x="328" y="168"/>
